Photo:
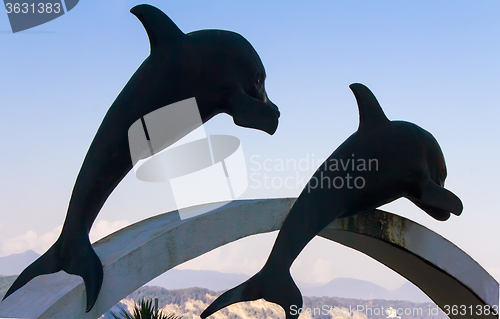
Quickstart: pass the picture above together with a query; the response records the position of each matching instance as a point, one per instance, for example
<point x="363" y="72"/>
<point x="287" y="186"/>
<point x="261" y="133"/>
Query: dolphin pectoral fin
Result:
<point x="253" y="113"/>
<point x="437" y="201"/>
<point x="161" y="30"/>
<point x="370" y="111"/>
<point x="276" y="287"/>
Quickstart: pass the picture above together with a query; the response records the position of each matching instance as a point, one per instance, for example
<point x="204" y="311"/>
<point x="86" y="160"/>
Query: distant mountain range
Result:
<point x="362" y="289"/>
<point x="339" y="287"/>
<point x="190" y="302"/>
<point x="213" y="280"/>
<point x="15" y="263"/>
<point x="217" y="281"/>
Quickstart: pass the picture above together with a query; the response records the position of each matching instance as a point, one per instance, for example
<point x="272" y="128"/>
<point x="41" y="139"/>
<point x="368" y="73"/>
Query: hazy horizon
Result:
<point x="433" y="64"/>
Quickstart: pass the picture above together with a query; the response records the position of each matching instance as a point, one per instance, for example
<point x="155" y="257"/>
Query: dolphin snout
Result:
<point x="272" y="105"/>
<point x="275" y="109"/>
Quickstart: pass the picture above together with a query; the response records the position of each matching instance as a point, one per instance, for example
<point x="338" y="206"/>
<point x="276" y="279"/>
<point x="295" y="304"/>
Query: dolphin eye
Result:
<point x="258" y="79"/>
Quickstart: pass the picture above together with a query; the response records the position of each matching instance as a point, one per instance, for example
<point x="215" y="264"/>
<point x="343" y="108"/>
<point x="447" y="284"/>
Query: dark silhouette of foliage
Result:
<point x="144" y="309"/>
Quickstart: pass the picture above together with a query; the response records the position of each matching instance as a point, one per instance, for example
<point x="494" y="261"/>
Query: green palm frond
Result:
<point x="144" y="309"/>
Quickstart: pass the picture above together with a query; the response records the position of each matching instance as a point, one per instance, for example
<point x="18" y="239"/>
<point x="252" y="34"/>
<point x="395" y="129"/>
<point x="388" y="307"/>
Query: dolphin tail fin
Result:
<point x="43" y="265"/>
<point x="274" y="287"/>
<point x="80" y="259"/>
<point x="86" y="264"/>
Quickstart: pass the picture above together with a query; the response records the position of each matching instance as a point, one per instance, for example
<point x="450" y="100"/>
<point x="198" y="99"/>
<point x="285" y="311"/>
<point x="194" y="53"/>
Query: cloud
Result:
<point x="29" y="241"/>
<point x="103" y="228"/>
<point x="245" y="256"/>
<point x="41" y="243"/>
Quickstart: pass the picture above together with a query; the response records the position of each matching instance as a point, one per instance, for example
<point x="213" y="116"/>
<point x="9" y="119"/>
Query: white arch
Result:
<point x="140" y="252"/>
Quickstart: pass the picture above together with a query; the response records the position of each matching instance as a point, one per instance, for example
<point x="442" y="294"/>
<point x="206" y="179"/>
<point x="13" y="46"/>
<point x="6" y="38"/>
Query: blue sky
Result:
<point x="432" y="63"/>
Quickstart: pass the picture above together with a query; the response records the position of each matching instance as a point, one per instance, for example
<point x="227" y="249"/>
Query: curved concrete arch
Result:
<point x="140" y="252"/>
<point x="440" y="269"/>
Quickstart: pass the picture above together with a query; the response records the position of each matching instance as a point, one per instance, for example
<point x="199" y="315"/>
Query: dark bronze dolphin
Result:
<point x="219" y="68"/>
<point x="382" y="161"/>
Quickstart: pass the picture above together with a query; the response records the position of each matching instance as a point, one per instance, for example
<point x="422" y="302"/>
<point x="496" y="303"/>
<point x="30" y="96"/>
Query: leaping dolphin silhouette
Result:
<point x="219" y="68"/>
<point x="409" y="164"/>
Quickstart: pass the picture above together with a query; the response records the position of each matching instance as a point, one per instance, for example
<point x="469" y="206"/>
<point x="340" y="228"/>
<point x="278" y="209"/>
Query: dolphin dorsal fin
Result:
<point x="161" y="30"/>
<point x="370" y="112"/>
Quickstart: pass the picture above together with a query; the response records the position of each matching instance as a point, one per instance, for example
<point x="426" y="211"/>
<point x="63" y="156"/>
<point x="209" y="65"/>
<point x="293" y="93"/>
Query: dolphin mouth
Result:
<point x="436" y="201"/>
<point x="273" y="107"/>
<point x="254" y="113"/>
<point x="270" y="125"/>
<point x="436" y="213"/>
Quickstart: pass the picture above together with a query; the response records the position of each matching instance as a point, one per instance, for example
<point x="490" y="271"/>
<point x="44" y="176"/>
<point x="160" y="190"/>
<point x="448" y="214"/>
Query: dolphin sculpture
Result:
<point x="406" y="161"/>
<point x="219" y="68"/>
